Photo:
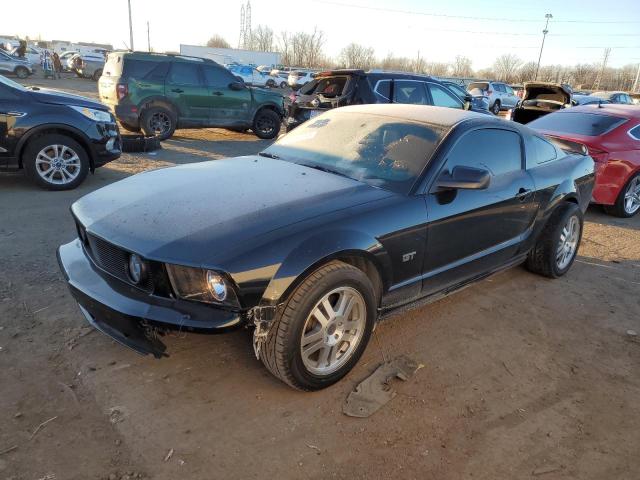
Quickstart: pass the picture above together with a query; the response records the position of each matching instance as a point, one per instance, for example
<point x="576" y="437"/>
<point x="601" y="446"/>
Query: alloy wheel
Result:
<point x="568" y="244"/>
<point x="632" y="196"/>
<point x="333" y="330"/>
<point x="160" y="123"/>
<point x="58" y="164"/>
<point x="265" y="125"/>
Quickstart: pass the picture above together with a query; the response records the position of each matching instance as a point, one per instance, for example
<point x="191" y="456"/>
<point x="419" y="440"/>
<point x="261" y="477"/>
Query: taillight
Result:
<point x="123" y="90"/>
<point x="489" y="92"/>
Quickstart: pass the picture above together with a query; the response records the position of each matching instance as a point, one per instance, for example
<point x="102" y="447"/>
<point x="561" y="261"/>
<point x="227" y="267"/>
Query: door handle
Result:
<point x="177" y="90"/>
<point x="522" y="194"/>
<point x="217" y="93"/>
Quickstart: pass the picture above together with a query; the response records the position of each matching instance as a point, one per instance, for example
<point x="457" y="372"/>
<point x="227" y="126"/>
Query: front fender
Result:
<point x="321" y="248"/>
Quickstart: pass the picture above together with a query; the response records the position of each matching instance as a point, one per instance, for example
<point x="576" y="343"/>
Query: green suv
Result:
<point x="157" y="93"/>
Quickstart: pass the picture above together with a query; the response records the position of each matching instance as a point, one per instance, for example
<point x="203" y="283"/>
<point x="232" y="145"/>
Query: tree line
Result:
<point x="304" y="49"/>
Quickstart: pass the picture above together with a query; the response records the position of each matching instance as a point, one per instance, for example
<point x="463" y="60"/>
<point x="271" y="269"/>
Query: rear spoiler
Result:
<point x="568" y="145"/>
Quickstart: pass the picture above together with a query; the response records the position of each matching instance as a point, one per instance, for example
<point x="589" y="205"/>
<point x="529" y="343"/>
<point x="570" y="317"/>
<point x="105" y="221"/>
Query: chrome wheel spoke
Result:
<point x="568" y="243"/>
<point x="333" y="330"/>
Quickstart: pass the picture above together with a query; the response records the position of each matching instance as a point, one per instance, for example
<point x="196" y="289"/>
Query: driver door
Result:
<point x="226" y="106"/>
<point x="471" y="232"/>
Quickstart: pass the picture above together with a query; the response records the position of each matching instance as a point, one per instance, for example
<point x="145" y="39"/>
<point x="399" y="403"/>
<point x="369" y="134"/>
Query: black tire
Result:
<point x="130" y="128"/>
<point x="33" y="169"/>
<point x="496" y="107"/>
<point x="283" y="85"/>
<point x="281" y="352"/>
<point x="21" y="72"/>
<point x="139" y="143"/>
<point x="158" y="121"/>
<point x="97" y="74"/>
<point x="266" y="124"/>
<point x="618" y="209"/>
<point x="542" y="258"/>
<point x="271" y="83"/>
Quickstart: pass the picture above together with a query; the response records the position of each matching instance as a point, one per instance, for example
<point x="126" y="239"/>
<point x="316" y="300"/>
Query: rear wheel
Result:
<point x="266" y="124"/>
<point x="628" y="201"/>
<point x="557" y="247"/>
<point x="271" y="83"/>
<point x="496" y="107"/>
<point x="97" y="74"/>
<point x="283" y="84"/>
<point x="56" y="162"/>
<point x="21" y="72"/>
<point x="158" y="121"/>
<point x="324" y="328"/>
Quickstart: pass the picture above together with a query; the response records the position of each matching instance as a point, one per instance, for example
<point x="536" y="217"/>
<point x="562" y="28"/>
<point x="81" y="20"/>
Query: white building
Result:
<point x="231" y="55"/>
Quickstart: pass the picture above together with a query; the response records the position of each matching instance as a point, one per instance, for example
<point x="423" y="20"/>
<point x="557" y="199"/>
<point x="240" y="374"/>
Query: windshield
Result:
<point x="381" y="151"/>
<point x="12" y="84"/>
<point x="325" y="86"/>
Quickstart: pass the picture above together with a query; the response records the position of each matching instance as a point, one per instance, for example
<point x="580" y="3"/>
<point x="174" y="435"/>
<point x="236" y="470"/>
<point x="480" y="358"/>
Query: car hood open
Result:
<point x="546" y="91"/>
<point x="193" y="213"/>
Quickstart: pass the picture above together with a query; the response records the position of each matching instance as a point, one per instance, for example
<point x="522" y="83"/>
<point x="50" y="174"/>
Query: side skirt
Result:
<point x="416" y="302"/>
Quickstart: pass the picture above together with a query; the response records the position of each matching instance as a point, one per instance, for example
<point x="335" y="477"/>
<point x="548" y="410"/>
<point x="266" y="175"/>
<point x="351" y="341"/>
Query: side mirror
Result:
<point x="463" y="178"/>
<point x="467" y="102"/>
<point x="237" y="85"/>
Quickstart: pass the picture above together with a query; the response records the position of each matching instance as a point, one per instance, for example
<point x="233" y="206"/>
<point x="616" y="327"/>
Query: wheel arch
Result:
<point x="269" y="106"/>
<point x="158" y="101"/>
<point x="54" y="128"/>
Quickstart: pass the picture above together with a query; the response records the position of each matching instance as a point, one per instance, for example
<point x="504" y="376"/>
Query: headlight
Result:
<point x="93" y="114"/>
<point x="201" y="285"/>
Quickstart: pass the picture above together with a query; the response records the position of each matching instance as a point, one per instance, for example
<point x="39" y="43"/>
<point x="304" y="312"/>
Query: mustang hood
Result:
<point x="192" y="213"/>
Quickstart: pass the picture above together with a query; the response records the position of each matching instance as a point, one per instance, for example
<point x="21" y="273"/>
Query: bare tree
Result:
<point x="357" y="56"/>
<point x="303" y="49"/>
<point x="391" y="62"/>
<point x="218" y="41"/>
<point x="506" y="67"/>
<point x="437" y="69"/>
<point x="526" y="72"/>
<point x="461" y="67"/>
<point x="261" y="39"/>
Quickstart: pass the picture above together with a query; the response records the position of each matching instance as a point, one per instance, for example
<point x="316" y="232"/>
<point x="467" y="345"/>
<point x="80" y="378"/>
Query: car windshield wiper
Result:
<point x="270" y="155"/>
<point x="324" y="169"/>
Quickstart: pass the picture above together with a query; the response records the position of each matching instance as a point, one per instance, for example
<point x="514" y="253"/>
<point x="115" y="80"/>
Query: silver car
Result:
<point x="501" y="96"/>
<point x="18" y="66"/>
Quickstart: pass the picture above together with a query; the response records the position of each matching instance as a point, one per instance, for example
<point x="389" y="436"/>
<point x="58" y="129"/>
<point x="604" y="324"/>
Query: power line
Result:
<point x="468" y="17"/>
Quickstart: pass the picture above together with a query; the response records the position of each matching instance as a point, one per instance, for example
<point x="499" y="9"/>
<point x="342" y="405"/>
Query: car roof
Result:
<point x="626" y="111"/>
<point x="446" y="117"/>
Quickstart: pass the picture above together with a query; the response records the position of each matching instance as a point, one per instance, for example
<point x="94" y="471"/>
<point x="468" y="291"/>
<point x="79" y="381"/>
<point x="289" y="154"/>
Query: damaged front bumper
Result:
<point x="130" y="316"/>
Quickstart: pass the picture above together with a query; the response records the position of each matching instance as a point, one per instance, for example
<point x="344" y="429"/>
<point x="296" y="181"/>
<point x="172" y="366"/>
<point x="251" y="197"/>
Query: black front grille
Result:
<point x="113" y="260"/>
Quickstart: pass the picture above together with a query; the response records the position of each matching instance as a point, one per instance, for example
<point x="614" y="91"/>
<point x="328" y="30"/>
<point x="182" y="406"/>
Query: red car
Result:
<point x="612" y="135"/>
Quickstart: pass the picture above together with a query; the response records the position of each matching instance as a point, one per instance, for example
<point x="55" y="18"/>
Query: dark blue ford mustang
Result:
<point x="357" y="212"/>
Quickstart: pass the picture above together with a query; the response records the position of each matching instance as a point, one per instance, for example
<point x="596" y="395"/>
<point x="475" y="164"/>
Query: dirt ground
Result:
<point x="524" y="377"/>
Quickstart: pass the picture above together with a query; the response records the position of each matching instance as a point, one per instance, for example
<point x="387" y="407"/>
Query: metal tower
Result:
<point x="242" y="17"/>
<point x="247" y="25"/>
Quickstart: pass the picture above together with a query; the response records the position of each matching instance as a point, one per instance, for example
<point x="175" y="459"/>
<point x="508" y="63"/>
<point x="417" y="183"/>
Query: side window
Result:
<point x="478" y="149"/>
<point x="383" y="89"/>
<point x="509" y="90"/>
<point x="158" y="73"/>
<point x="635" y="132"/>
<point x="544" y="151"/>
<point x="411" y="92"/>
<point x="184" y="74"/>
<point x="442" y="98"/>
<point x="500" y="87"/>
<point x="217" y="77"/>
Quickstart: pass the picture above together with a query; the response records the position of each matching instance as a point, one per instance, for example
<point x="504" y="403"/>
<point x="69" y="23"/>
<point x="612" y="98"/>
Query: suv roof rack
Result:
<point x="173" y="55"/>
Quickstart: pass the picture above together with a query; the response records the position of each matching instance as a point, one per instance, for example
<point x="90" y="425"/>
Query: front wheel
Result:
<point x="56" y="162"/>
<point x="323" y="329"/>
<point x="628" y="201"/>
<point x="97" y="74"/>
<point x="22" y="72"/>
<point x="266" y="124"/>
<point x="557" y="247"/>
<point x="496" y="107"/>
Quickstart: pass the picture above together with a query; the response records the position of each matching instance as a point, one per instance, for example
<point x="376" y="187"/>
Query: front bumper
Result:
<point x="131" y="316"/>
<point x="105" y="142"/>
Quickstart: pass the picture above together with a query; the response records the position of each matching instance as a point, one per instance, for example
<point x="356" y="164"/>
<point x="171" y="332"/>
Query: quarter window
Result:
<point x="495" y="150"/>
<point x="442" y="98"/>
<point x="383" y="89"/>
<point x="635" y="132"/>
<point x="544" y="151"/>
<point x="410" y="92"/>
<point x="184" y="74"/>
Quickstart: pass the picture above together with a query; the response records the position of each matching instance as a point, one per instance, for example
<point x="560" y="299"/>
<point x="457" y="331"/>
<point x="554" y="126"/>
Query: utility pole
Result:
<point x="548" y="16"/>
<point x="635" y="83"/>
<point x="148" y="38"/>
<point x="130" y="27"/>
<point x="605" y="59"/>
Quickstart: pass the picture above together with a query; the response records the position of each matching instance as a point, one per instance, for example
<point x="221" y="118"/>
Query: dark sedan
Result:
<point x="56" y="137"/>
<point x="356" y="213"/>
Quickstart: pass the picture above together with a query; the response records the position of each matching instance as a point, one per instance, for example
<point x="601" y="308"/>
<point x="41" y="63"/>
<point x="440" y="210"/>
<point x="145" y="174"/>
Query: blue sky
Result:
<point x="403" y="27"/>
